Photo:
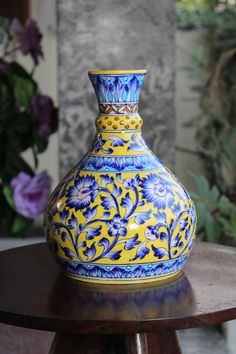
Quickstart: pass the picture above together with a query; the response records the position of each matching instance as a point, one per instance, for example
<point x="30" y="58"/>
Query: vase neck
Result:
<point x="118" y="95"/>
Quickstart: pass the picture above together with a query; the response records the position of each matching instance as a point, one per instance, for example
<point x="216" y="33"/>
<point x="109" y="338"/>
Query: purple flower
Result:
<point x="30" y="194"/>
<point x="29" y="38"/>
<point x="117" y="226"/>
<point x="45" y="115"/>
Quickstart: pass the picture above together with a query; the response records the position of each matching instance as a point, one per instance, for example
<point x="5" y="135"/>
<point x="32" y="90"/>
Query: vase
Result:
<point x="120" y="216"/>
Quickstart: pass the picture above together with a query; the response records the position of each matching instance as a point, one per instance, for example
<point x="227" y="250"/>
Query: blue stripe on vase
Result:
<point x="121" y="163"/>
<point x="132" y="271"/>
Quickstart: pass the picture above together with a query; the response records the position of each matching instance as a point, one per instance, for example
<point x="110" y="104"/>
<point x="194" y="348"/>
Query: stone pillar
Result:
<point x="122" y="34"/>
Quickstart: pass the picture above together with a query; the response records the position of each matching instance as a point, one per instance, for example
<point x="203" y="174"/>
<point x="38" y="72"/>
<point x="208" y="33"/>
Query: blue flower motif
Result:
<point x="117" y="226"/>
<point x="157" y="191"/>
<point x="82" y="193"/>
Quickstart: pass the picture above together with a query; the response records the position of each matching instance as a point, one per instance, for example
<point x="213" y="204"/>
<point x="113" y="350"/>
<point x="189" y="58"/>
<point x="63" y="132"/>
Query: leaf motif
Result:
<point x="114" y="255"/>
<point x="163" y="236"/>
<point x="187" y="234"/>
<point x="108" y="203"/>
<point x="73" y="222"/>
<point x="127" y="203"/>
<point x="68" y="253"/>
<point x="175" y="242"/>
<point x="90" y="252"/>
<point x="136" y="147"/>
<point x="105" y="215"/>
<point x="90" y="213"/>
<point x="81" y="244"/>
<point x="183" y="224"/>
<point x="106" y="180"/>
<point x="117" y="141"/>
<point x="141" y="217"/>
<point x="64" y="236"/>
<point x="131" y="243"/>
<point x="161" y="218"/>
<point x="104" y="242"/>
<point x="64" y="215"/>
<point x="91" y="232"/>
<point x="159" y="252"/>
<point x="142" y="251"/>
<point x="174" y="253"/>
<point x="107" y="151"/>
<point x="117" y="191"/>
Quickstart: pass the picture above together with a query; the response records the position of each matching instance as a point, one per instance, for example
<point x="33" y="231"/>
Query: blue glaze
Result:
<point x="117" y="88"/>
<point x="132" y="271"/>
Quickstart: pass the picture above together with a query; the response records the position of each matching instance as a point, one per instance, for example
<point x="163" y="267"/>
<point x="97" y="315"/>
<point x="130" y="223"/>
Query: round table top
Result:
<point x="35" y="294"/>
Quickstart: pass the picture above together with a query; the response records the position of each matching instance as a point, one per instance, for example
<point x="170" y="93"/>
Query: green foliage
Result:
<point x="213" y="75"/>
<point x="208" y="14"/>
<point x="19" y="124"/>
<point x="24" y="87"/>
<point x="216" y="213"/>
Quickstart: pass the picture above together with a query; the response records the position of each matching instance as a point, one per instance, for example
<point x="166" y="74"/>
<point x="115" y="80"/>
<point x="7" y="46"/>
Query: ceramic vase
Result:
<point x="120" y="216"/>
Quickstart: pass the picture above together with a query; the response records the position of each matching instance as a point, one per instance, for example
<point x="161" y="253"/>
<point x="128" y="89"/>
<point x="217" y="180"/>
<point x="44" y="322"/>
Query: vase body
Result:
<point x="120" y="216"/>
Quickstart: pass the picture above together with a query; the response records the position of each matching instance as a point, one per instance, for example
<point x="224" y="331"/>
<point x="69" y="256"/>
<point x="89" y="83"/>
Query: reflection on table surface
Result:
<point x="122" y="302"/>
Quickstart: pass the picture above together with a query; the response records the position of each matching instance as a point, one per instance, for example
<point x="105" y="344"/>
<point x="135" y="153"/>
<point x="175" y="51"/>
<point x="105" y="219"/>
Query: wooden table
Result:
<point x="133" y="320"/>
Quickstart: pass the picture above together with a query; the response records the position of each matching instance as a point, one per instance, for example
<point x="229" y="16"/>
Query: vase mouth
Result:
<point x="116" y="72"/>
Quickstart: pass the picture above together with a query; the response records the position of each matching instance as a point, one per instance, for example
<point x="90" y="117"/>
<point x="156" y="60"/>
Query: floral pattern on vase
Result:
<point x="120" y="216"/>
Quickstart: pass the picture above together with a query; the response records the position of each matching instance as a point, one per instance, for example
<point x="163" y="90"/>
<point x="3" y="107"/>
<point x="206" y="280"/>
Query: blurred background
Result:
<point x="188" y="103"/>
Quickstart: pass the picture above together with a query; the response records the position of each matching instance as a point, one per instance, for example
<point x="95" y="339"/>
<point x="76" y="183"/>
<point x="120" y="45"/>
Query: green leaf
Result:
<point x="7" y="103"/>
<point x="19" y="133"/>
<point x="7" y="192"/>
<point x="214" y="195"/>
<point x="40" y="144"/>
<point x="20" y="225"/>
<point x="225" y="205"/>
<point x="202" y="186"/>
<point x="201" y="214"/>
<point x="23" y="85"/>
<point x="213" y="228"/>
<point x="194" y="195"/>
<point x="233" y="223"/>
<point x="15" y="164"/>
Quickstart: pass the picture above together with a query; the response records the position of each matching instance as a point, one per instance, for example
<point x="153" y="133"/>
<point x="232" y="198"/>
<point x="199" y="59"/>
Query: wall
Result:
<point x="125" y="35"/>
<point x="44" y="12"/>
<point x="186" y="106"/>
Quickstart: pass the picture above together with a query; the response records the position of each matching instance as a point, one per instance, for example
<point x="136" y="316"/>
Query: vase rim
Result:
<point x="116" y="72"/>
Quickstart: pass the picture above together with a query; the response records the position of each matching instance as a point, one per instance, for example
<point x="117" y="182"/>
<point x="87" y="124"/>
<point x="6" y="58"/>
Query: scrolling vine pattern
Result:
<point x="136" y="143"/>
<point x="174" y="234"/>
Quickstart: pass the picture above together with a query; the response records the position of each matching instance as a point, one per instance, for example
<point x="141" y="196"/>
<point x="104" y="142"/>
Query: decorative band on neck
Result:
<point x="118" y="108"/>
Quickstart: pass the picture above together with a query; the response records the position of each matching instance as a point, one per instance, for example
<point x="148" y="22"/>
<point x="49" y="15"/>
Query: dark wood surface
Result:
<point x="139" y="343"/>
<point x="35" y="294"/>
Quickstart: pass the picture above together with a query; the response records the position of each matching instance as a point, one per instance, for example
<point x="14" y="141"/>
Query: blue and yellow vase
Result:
<point x="120" y="216"/>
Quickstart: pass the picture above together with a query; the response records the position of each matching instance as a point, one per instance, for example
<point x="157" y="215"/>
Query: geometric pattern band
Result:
<point x="118" y="108"/>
